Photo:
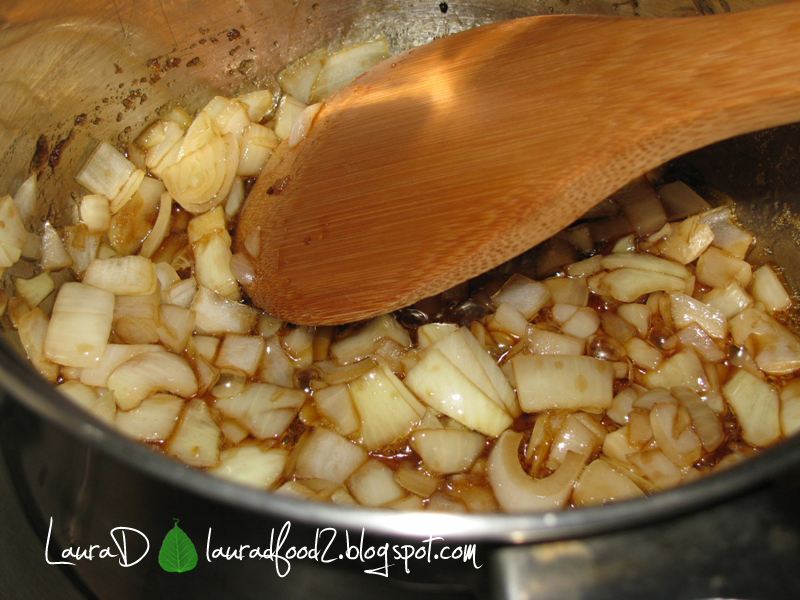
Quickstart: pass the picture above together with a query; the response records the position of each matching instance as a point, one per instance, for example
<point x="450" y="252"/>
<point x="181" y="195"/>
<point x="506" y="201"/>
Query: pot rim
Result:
<point x="24" y="386"/>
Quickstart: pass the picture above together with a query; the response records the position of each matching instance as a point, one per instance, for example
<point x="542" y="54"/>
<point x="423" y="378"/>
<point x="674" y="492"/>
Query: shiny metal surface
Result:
<point x="61" y="60"/>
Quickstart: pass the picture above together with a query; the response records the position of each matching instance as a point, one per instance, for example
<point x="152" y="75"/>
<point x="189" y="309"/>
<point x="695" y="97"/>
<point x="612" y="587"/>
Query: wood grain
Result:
<point x="448" y="160"/>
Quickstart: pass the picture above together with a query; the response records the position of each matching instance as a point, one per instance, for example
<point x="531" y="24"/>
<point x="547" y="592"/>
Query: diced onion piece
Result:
<point x="584" y="268"/>
<point x="251" y="465"/>
<point x="259" y="104"/>
<point x="161" y="150"/>
<point x="137" y="318"/>
<point x="196" y="180"/>
<point x="233" y="431"/>
<point x="175" y="327"/>
<point x="447" y="450"/>
<point x="302" y="124"/>
<point x="35" y="289"/>
<point x="644" y="262"/>
<point x="576" y="434"/>
<point x="265" y="409"/>
<point x="213" y="264"/>
<point x="54" y="255"/>
<point x="757" y="408"/>
<point x="323" y="454"/>
<point x="235" y="199"/>
<point x="687" y="241"/>
<point x="386" y="408"/>
<point x="125" y="275"/>
<point x="443" y="386"/>
<point x="637" y="315"/>
<point x="430" y="333"/>
<point x="654" y="465"/>
<point x="601" y="483"/>
<point x="697" y="338"/>
<point x="106" y="171"/>
<point x="197" y="438"/>
<point x="12" y="232"/>
<point x="153" y="420"/>
<point x="681" y="201"/>
<point x="276" y="366"/>
<point x="258" y="142"/>
<point x="729" y="301"/>
<point x="297" y="77"/>
<point x="768" y="289"/>
<point x="80" y="325"/>
<point x="100" y="405"/>
<point x="335" y="404"/>
<point x="790" y="408"/>
<point x="114" y="356"/>
<point x="82" y="246"/>
<point x="289" y="110"/>
<point x="362" y="343"/>
<point x="641" y="205"/>
<point x="583" y="323"/>
<point x="240" y="354"/>
<point x="704" y="420"/>
<point x="627" y="284"/>
<point x="685" y="310"/>
<point x="373" y="484"/>
<point x="160" y="227"/>
<point x="568" y="290"/>
<point x="95" y="212"/>
<point x="25" y="199"/>
<point x="622" y="404"/>
<point x="717" y="268"/>
<point x="775" y="349"/>
<point x="643" y="354"/>
<point x="728" y="236"/>
<point x="32" y="328"/>
<point x="683" y="448"/>
<point x="465" y="352"/>
<point x="524" y="294"/>
<point x="127" y="191"/>
<point x="218" y="315"/>
<point x="546" y="382"/>
<point x="681" y="369"/>
<point x="418" y="482"/>
<point x="344" y="66"/>
<point x="542" y="341"/>
<point x="516" y="491"/>
<point x="148" y="373"/>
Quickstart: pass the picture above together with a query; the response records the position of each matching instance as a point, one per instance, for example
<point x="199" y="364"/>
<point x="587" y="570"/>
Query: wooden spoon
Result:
<point x="447" y="160"/>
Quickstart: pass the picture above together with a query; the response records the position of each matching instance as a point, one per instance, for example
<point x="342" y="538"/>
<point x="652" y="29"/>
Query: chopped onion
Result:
<point x="644" y="262"/>
<point x="790" y="408"/>
<point x="654" y="465"/>
<point x="302" y="124"/>
<point x="637" y="315"/>
<point x="175" y="327"/>
<point x="687" y="241"/>
<point x="685" y="310"/>
<point x="719" y="269"/>
<point x="240" y="354"/>
<point x="418" y="482"/>
<point x="335" y="405"/>
<point x="681" y="201"/>
<point x="373" y="484"/>
<point x="542" y="341"/>
<point x="386" y="408"/>
<point x="153" y="420"/>
<point x="545" y="382"/>
<point x="106" y="172"/>
<point x="79" y="325"/>
<point x="683" y="448"/>
<point x="297" y="77"/>
<point x="258" y="142"/>
<point x="757" y="407"/>
<point x="148" y="373"/>
<point x="516" y="491"/>
<point x="344" y="66"/>
<point x="681" y="369"/>
<point x="12" y="232"/>
<point x="218" y="315"/>
<point x="125" y="275"/>
<point x="360" y="344"/>
<point x="276" y="366"/>
<point x="251" y="465"/>
<point x="114" y="355"/>
<point x="627" y="285"/>
<point x="524" y="294"/>
<point x="259" y="104"/>
<point x="197" y="438"/>
<point x="729" y="301"/>
<point x="704" y="420"/>
<point x="265" y="409"/>
<point x="321" y="453"/>
<point x="768" y="289"/>
<point x="568" y="290"/>
<point x="643" y="354"/>
<point x="641" y="205"/>
<point x="35" y="289"/>
<point x="601" y="483"/>
<point x="95" y="212"/>
<point x="32" y="328"/>
<point x="289" y="110"/>
<point x="160" y="227"/>
<point x="727" y="235"/>
<point x="54" y="255"/>
<point x="443" y="386"/>
<point x="447" y="450"/>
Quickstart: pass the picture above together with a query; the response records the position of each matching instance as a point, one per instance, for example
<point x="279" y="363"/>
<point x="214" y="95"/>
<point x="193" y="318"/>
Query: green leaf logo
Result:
<point x="177" y="553"/>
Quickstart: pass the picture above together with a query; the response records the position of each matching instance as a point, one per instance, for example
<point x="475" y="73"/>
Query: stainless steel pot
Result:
<point x="72" y="72"/>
